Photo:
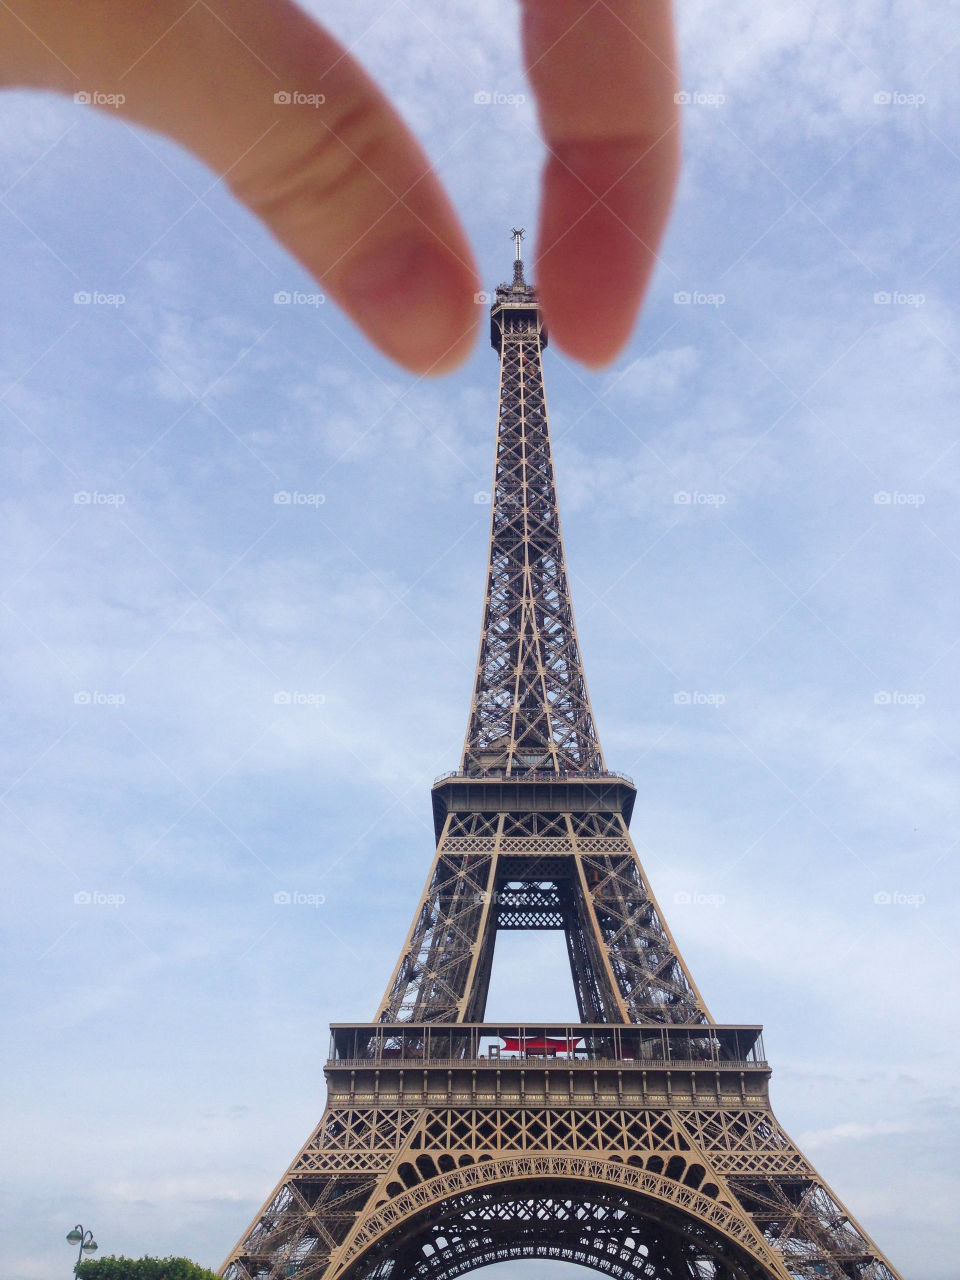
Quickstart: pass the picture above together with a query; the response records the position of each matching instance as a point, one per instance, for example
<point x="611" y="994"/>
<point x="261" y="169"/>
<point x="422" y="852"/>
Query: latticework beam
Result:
<point x="530" y="706"/>
<point x="639" y="1142"/>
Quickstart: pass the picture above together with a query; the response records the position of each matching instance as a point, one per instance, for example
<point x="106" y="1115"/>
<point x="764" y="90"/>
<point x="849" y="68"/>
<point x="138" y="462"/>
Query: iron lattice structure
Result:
<point x="640" y="1141"/>
<point x="530" y="705"/>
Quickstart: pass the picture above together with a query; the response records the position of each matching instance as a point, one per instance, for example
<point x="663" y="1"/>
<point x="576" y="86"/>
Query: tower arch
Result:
<point x="620" y="1220"/>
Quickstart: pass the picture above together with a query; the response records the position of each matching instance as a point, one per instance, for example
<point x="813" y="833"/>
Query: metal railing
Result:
<point x="537" y="775"/>
<point x="518" y="1060"/>
<point x="627" y="1045"/>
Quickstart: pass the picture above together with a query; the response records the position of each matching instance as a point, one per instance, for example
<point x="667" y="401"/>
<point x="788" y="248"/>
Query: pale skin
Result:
<point x="348" y="189"/>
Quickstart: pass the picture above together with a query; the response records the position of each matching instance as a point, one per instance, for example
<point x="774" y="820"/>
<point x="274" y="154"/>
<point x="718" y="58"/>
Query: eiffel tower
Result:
<point x="640" y="1141"/>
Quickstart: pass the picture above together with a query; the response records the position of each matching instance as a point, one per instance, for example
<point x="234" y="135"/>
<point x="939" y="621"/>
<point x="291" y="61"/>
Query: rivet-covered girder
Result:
<point x="530" y="709"/>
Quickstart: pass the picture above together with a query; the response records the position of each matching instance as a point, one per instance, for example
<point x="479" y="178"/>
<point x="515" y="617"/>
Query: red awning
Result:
<point x="513" y="1044"/>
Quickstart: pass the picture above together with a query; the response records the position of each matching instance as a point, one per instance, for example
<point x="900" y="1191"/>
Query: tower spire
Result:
<point x="518" y="280"/>
<point x="531" y="710"/>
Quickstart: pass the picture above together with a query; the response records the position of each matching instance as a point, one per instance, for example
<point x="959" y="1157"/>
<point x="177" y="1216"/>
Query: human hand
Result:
<point x="348" y="190"/>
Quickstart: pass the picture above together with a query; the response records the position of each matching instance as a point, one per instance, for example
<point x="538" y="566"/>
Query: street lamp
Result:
<point x="85" y="1240"/>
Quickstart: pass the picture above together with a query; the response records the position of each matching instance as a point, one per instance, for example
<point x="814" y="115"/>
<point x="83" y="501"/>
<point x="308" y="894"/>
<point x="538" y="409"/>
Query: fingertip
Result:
<point x="603" y="212"/>
<point x="591" y="278"/>
<point x="415" y="300"/>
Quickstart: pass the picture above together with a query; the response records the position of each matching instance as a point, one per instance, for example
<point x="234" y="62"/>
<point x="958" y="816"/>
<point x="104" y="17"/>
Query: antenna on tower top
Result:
<point x="518" y="280"/>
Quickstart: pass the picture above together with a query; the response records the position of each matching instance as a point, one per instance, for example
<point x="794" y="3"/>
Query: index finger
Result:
<point x="298" y="131"/>
<point x="604" y="73"/>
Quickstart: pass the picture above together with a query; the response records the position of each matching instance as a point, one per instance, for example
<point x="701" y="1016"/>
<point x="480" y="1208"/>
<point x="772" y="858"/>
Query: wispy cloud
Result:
<point x="212" y="694"/>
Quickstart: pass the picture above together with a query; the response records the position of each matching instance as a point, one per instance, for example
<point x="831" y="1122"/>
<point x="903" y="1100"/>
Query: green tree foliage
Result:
<point x="143" y="1269"/>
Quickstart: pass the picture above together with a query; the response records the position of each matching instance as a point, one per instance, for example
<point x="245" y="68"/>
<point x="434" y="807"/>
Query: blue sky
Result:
<point x="773" y="661"/>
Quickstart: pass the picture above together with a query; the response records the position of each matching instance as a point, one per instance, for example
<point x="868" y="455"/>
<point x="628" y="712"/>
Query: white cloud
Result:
<point x="852" y="1132"/>
<point x="663" y="374"/>
<point x="373" y="599"/>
